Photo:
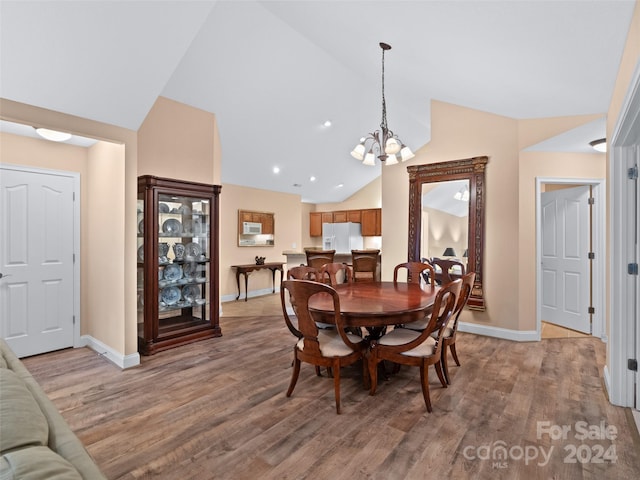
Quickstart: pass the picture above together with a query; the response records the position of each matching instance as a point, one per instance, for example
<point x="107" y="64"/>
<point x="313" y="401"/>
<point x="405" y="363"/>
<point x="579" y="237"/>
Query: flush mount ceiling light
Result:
<point x="384" y="142"/>
<point x="600" y="145"/>
<point x="53" y="135"/>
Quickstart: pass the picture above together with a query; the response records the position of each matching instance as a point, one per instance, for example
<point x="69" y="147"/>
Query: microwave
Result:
<point x="251" y="228"/>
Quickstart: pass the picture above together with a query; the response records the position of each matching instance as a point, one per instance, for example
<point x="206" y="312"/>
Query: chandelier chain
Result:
<point x="383" y="125"/>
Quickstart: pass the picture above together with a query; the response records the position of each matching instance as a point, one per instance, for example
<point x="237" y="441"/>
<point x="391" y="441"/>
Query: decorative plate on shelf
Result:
<point x="141" y="253"/>
<point x="195" y="226"/>
<point x="193" y="250"/>
<point x="170" y="295"/>
<point x="163" y="207"/>
<point x="190" y="269"/>
<point x="172" y="272"/>
<point x="141" y="227"/>
<point x="190" y="293"/>
<point x="172" y="226"/>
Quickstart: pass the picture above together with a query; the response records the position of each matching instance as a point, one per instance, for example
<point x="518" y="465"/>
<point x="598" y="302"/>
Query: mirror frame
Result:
<point x="471" y="169"/>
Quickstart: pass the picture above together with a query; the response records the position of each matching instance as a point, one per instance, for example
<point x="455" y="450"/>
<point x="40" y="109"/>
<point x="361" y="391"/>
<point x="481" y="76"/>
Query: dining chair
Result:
<point x="302" y="272"/>
<point x="317" y="258"/>
<point x="409" y="347"/>
<point x="333" y="349"/>
<point x="449" y="335"/>
<point x="335" y="273"/>
<point x="414" y="271"/>
<point x="447" y="270"/>
<point x="365" y="265"/>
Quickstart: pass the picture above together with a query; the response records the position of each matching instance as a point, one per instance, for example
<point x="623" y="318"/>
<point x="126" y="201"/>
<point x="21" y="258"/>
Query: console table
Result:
<point x="247" y="269"/>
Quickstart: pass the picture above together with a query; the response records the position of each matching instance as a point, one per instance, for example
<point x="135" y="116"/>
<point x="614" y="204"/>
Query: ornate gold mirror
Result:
<point x="457" y="176"/>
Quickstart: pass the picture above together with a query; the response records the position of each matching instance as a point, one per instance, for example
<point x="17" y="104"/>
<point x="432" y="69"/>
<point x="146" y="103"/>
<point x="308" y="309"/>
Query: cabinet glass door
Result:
<point x="183" y="262"/>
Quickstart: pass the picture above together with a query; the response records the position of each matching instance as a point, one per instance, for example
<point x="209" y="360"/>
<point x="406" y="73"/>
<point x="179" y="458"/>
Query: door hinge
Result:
<point x="632" y="269"/>
<point x="632" y="173"/>
<point x="592" y="255"/>
<point x="591" y="310"/>
<point x="592" y="200"/>
<point x="74" y="196"/>
<point x="74" y="258"/>
<point x="632" y="364"/>
<point x="74" y="319"/>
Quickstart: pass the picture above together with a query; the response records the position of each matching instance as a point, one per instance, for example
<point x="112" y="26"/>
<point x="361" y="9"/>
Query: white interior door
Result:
<point x="36" y="260"/>
<point x="565" y="261"/>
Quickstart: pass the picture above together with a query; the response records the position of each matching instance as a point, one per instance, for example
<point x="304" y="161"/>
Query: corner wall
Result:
<point x="118" y="337"/>
<point x="509" y="275"/>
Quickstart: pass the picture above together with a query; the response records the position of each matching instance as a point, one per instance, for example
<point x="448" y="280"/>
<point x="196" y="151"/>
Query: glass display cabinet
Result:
<point x="178" y="248"/>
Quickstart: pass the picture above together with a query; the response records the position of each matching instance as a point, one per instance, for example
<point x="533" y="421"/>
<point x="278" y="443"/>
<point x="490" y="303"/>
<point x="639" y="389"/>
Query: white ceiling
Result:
<point x="274" y="71"/>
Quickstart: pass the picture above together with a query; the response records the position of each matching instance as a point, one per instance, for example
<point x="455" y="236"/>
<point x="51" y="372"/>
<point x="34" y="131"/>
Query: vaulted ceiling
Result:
<point x="274" y="71"/>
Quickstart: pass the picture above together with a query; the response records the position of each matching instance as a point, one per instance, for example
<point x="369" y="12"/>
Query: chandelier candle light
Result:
<point x="383" y="137"/>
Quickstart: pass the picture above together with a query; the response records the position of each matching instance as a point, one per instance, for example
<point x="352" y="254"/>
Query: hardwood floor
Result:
<point x="216" y="409"/>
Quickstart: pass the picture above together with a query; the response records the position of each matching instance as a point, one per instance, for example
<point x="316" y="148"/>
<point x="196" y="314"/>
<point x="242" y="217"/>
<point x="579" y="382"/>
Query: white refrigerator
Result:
<point x="342" y="237"/>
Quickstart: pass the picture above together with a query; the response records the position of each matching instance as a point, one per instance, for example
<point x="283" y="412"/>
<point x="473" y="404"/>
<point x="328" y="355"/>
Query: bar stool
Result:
<point x="365" y="265"/>
<point x="318" y="258"/>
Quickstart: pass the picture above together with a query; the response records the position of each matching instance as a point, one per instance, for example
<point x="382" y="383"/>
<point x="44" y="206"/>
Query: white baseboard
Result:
<point x="497" y="332"/>
<point x="252" y="293"/>
<point x="122" y="361"/>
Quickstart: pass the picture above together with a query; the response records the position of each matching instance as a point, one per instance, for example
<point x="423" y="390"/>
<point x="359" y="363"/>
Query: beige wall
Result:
<point x="543" y="164"/>
<point x="287" y="210"/>
<point x="104" y="313"/>
<point x="177" y="141"/>
<point x="458" y="132"/>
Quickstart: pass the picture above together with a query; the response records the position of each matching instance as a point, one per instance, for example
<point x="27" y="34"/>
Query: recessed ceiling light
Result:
<point x="340" y="185"/>
<point x="53" y="135"/>
<point x="276" y="169"/>
<point x="327" y="123"/>
<point x="312" y="178"/>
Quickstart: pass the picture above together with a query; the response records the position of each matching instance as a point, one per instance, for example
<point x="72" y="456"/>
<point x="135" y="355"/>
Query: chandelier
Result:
<point x="383" y="142"/>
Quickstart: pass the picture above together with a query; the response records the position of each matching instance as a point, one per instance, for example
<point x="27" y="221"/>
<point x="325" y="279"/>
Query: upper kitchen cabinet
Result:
<point x="371" y="222"/>
<point x="255" y="229"/>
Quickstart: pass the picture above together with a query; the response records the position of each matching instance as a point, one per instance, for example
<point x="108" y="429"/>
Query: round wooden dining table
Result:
<point x="375" y="305"/>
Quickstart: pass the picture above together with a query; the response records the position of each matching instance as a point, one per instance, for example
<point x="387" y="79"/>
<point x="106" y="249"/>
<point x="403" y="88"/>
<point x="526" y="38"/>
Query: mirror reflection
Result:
<point x="445" y="220"/>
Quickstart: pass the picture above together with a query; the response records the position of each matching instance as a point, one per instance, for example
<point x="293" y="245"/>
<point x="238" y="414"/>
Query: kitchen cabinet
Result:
<point x="315" y="224"/>
<point x="340" y="217"/>
<point x="370" y="219"/>
<point x="371" y="222"/>
<point x="263" y="218"/>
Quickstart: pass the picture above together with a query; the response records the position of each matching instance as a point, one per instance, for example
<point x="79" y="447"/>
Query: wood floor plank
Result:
<point x="217" y="409"/>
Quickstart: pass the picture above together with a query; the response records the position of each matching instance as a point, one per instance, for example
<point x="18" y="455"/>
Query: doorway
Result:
<point x="39" y="287"/>
<point x="565" y="264"/>
<point x="597" y="274"/>
<point x="621" y="378"/>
